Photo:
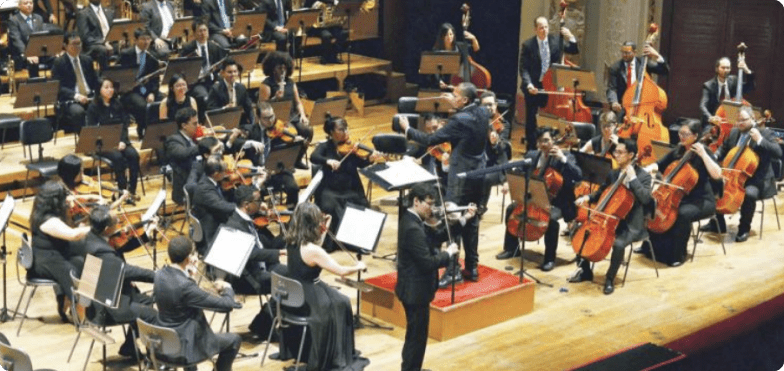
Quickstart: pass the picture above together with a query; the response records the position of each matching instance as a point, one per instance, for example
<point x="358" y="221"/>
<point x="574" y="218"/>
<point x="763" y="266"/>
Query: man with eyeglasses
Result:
<point x="78" y="81"/>
<point x="632" y="228"/>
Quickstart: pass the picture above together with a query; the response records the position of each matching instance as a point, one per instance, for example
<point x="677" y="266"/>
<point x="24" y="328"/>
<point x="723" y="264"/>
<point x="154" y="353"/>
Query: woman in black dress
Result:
<point x="331" y="325"/>
<point x="278" y="86"/>
<point x="446" y="41"/>
<point x="106" y="109"/>
<point x="178" y="98"/>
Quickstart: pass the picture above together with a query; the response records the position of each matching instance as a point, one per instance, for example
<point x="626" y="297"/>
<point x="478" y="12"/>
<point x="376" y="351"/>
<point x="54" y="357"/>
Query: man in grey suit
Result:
<point x="721" y="87"/>
<point x="181" y="302"/>
<point x="159" y="17"/>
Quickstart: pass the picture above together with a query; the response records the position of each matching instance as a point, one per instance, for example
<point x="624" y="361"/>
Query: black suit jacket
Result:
<point x="63" y="70"/>
<point x="417" y="263"/>
<point x="219" y="97"/>
<point x="210" y="207"/>
<point x="270" y="7"/>
<point x="212" y="11"/>
<point x="709" y="102"/>
<point x="571" y="173"/>
<point x="180" y="302"/>
<point x="128" y="59"/>
<point x="531" y="62"/>
<point x="180" y="153"/>
<point x="151" y="14"/>
<point x="99" y="114"/>
<point x="617" y="84"/>
<point x="89" y="27"/>
<point x="19" y="34"/>
<point x="634" y="223"/>
<point x="767" y="150"/>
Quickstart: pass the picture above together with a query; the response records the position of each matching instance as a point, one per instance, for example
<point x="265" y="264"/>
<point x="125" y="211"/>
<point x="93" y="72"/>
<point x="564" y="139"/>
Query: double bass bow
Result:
<point x="470" y="71"/>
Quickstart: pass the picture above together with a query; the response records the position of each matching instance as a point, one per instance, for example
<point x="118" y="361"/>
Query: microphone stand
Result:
<point x="301" y="50"/>
<point x="4" y="317"/>
<point x="522" y="272"/>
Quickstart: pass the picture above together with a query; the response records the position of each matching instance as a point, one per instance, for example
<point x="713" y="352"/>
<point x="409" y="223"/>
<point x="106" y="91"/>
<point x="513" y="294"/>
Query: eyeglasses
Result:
<point x="685" y="134"/>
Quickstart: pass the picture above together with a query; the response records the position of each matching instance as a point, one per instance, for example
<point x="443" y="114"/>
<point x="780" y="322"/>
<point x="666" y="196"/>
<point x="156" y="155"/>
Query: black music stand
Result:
<point x="661" y="149"/>
<point x="283" y="158"/>
<point x="124" y="77"/>
<point x="37" y="94"/>
<point x="160" y="200"/>
<point x="335" y="107"/>
<point x="348" y="8"/>
<point x="94" y="140"/>
<point x="595" y="168"/>
<point x="524" y="189"/>
<point x="123" y="30"/>
<point x="439" y="63"/>
<point x="188" y="67"/>
<point x="44" y="44"/>
<point x="5" y="215"/>
<point x="229" y="117"/>
<point x="429" y="100"/>
<point x="282" y="109"/>
<point x="246" y="59"/>
<point x="301" y="19"/>
<point x="248" y="23"/>
<point x="579" y="80"/>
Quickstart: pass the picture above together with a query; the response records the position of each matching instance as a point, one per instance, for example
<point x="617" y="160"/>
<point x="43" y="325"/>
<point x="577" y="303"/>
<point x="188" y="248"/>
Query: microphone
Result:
<point x="493" y="169"/>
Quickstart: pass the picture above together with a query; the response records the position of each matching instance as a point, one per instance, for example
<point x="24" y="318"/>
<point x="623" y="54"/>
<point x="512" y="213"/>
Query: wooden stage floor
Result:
<point x="571" y="324"/>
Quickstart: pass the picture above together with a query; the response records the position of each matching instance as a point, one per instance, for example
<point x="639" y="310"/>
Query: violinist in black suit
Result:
<point x="210" y="204"/>
<point x="210" y="52"/>
<point x="762" y="184"/>
<point x="624" y="72"/>
<point x="93" y="23"/>
<point x="181" y="303"/>
<point x="536" y="56"/>
<point x="159" y="18"/>
<point x="229" y="92"/>
<point x="220" y="16"/>
<point x="20" y="26"/>
<point x="140" y="58"/>
<point x="467" y="132"/>
<point x="630" y="229"/>
<point x="181" y="151"/>
<point x="78" y="80"/>
<point x="275" y="25"/>
<point x="417" y="272"/>
<point x="721" y="87"/>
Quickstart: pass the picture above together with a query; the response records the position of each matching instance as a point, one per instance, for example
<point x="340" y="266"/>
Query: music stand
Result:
<point x="181" y="26"/>
<point x="101" y="280"/>
<point x="429" y="100"/>
<point x="579" y="80"/>
<point x="246" y="59"/>
<point x="229" y="118"/>
<point x="249" y="23"/>
<point x="301" y="19"/>
<point x="188" y="67"/>
<point x="439" y="63"/>
<point x="524" y="189"/>
<point x="123" y="30"/>
<point x="97" y="139"/>
<point x="230" y="250"/>
<point x="283" y="158"/>
<point x="732" y="110"/>
<point x="361" y="228"/>
<point x="125" y="77"/>
<point x="595" y="168"/>
<point x="5" y="215"/>
<point x="335" y="107"/>
<point x="160" y="200"/>
<point x="37" y="94"/>
<point x="156" y="134"/>
<point x="661" y="149"/>
<point x="282" y="109"/>
<point x="43" y="44"/>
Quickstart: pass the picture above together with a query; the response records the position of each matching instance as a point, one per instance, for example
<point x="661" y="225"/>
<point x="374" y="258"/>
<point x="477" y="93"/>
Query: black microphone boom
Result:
<point x="494" y="169"/>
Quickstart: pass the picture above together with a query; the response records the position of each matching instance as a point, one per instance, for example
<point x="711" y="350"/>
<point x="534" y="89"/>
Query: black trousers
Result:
<point x="284" y="182"/>
<point x="532" y="104"/>
<point x="328" y="50"/>
<point x="73" y="115"/>
<point x="622" y="240"/>
<point x="747" y="209"/>
<point x="672" y="245"/>
<point x="417" y="322"/>
<point x="230" y="345"/>
<point x="122" y="160"/>
<point x="136" y="104"/>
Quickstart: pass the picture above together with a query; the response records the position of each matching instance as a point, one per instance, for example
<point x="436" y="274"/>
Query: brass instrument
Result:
<point x="11" y="77"/>
<point x="329" y="19"/>
<point x="179" y="9"/>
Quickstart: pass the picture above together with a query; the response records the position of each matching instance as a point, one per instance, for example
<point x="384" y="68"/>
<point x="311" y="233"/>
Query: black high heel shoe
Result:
<point x="61" y="308"/>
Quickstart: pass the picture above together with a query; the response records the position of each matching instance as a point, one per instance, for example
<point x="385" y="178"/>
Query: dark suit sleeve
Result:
<point x="416" y="244"/>
<point x="525" y="60"/>
<point x="216" y="98"/>
<point x="612" y="84"/>
<point x="570" y="47"/>
<point x="83" y="26"/>
<point x="147" y="14"/>
<point x="748" y="83"/>
<point x="450" y="130"/>
<point x="208" y="198"/>
<point x="641" y="187"/>
<point x="704" y="100"/>
<point x="177" y="151"/>
<point x="569" y="169"/>
<point x="15" y="35"/>
<point x="662" y="68"/>
<point x="62" y="67"/>
<point x="92" y="118"/>
<point x="193" y="296"/>
<point x="768" y="146"/>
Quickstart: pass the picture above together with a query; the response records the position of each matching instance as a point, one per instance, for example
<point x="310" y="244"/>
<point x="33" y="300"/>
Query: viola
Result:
<point x="237" y="173"/>
<point x="470" y="71"/>
<point x="644" y="105"/>
<point x="719" y="132"/>
<point x="679" y="179"/>
<point x="283" y="131"/>
<point x="595" y="237"/>
<point x="128" y="227"/>
<point x="360" y="150"/>
<point x="739" y="165"/>
<point x="440" y="151"/>
<point x="282" y="215"/>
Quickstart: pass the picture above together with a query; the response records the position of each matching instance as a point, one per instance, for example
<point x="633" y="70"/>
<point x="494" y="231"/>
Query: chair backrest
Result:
<point x="287" y="291"/>
<point x="406" y="104"/>
<point x="13" y="359"/>
<point x="161" y="340"/>
<point x="35" y="131"/>
<point x="24" y="257"/>
<point x="584" y="130"/>
<point x="778" y="169"/>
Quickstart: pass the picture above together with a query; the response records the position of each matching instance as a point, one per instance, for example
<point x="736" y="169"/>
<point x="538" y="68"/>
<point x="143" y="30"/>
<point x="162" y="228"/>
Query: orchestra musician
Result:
<point x="158" y="16"/>
<point x="220" y="16"/>
<point x="44" y="12"/>
<point x="762" y="184"/>
<point x="20" y="26"/>
<point x="181" y="150"/>
<point x="548" y="156"/>
<point x="106" y="109"/>
<point x="623" y="73"/>
<point x="417" y="267"/>
<point x="670" y="247"/>
<point x="466" y="130"/>
<point x="536" y="56"/>
<point x="446" y="41"/>
<point x="630" y="229"/>
<point x="211" y="205"/>
<point x="93" y="23"/>
<point x="329" y="51"/>
<point x="69" y="169"/>
<point x="229" y="92"/>
<point x="275" y="24"/>
<point x="140" y="58"/>
<point x="499" y="122"/>
<point x="721" y="87"/>
<point x="331" y="321"/>
<point x="210" y="52"/>
<point x="607" y="139"/>
<point x="434" y="159"/>
<point x="181" y="303"/>
<point x="78" y="81"/>
<point x="177" y="99"/>
<point x="497" y="151"/>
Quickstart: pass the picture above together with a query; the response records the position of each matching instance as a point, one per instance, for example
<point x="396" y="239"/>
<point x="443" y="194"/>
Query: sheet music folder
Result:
<point x="101" y="280"/>
<point x="397" y="175"/>
<point x="230" y="250"/>
<point x="361" y="227"/>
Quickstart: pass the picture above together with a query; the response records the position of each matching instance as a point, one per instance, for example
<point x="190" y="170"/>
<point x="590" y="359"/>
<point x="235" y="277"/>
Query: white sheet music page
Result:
<point x="403" y="172"/>
<point x="360" y="227"/>
<point x="230" y="250"/>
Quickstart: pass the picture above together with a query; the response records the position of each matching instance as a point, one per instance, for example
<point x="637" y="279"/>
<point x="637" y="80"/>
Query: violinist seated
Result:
<point x="339" y="160"/>
<point x="446" y="41"/>
<point x="145" y="62"/>
<point x="603" y="144"/>
<point x="181" y="151"/>
<point x="632" y="228"/>
<point x="133" y="304"/>
<point x="497" y="121"/>
<point x="762" y="184"/>
<point x="210" y="52"/>
<point x="211" y="204"/>
<point x="77" y="86"/>
<point x="434" y="159"/>
<point x="229" y="92"/>
<point x="721" y="88"/>
<point x="20" y="26"/>
<point x="670" y="247"/>
<point x="624" y="73"/>
<point x="548" y="158"/>
<point x="106" y="109"/>
<point x="497" y="152"/>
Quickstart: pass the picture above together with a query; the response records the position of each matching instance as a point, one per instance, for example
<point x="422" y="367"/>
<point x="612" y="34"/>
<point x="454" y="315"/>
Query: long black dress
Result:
<point x="330" y="341"/>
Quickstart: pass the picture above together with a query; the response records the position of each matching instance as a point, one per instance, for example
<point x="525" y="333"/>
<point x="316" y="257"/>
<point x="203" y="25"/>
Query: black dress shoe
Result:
<point x="547" y="266"/>
<point x="676" y="264"/>
<point x="506" y="254"/>
<point x="581" y="275"/>
<point x="608" y="287"/>
<point x="471" y="274"/>
<point x="742" y="237"/>
<point x="711" y="228"/>
<point x="301" y="165"/>
<point x="446" y="280"/>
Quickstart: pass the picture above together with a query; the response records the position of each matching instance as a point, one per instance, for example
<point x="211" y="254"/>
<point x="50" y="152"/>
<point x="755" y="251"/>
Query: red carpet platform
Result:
<point x="497" y="297"/>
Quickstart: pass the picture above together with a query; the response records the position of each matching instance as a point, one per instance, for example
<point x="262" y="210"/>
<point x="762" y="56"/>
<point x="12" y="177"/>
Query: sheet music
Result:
<point x="90" y="274"/>
<point x="361" y="227"/>
<point x="5" y="211"/>
<point x="403" y="172"/>
<point x="156" y="204"/>
<point x="230" y="250"/>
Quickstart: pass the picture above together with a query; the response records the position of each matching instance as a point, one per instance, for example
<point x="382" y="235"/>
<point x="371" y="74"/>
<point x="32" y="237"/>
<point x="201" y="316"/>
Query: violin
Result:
<point x="360" y="150"/>
<point x="739" y="165"/>
<point x="281" y="215"/>
<point x="679" y="179"/>
<point x="128" y="227"/>
<point x="238" y="173"/>
<point x="283" y="131"/>
<point x="440" y="152"/>
<point x="497" y="122"/>
<point x="470" y="70"/>
<point x="719" y="132"/>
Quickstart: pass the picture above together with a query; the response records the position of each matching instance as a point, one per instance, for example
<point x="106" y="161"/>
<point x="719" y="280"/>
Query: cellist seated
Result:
<point x="632" y="228"/>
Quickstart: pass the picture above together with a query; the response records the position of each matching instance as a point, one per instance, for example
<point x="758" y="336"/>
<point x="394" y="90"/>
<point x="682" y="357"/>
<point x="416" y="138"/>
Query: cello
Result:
<point x="739" y="165"/>
<point x="720" y="131"/>
<point x="563" y="102"/>
<point x="644" y="105"/>
<point x="470" y="71"/>
<point x="679" y="179"/>
<point x="595" y="237"/>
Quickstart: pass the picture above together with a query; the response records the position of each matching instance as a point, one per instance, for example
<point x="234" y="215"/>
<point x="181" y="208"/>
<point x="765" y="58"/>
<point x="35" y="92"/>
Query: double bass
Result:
<point x="470" y="71"/>
<point x="644" y="105"/>
<point x="739" y="165"/>
<point x="720" y="131"/>
<point x="679" y="179"/>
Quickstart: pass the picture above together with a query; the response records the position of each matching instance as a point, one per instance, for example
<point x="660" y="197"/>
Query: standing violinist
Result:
<point x="624" y="73"/>
<point x="762" y="184"/>
<point x="536" y="56"/>
<point x="632" y="228"/>
<point x="671" y="246"/>
<point x="445" y="41"/>
<point x="341" y="183"/>
<point x="721" y="87"/>
<point x="466" y="131"/>
<point x="549" y="157"/>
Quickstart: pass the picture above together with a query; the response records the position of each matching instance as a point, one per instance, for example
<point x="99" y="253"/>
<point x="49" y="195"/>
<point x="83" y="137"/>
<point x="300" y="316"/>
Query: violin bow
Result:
<point x="498" y="118"/>
<point x="359" y="141"/>
<point x="449" y="236"/>
<point x="128" y="223"/>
